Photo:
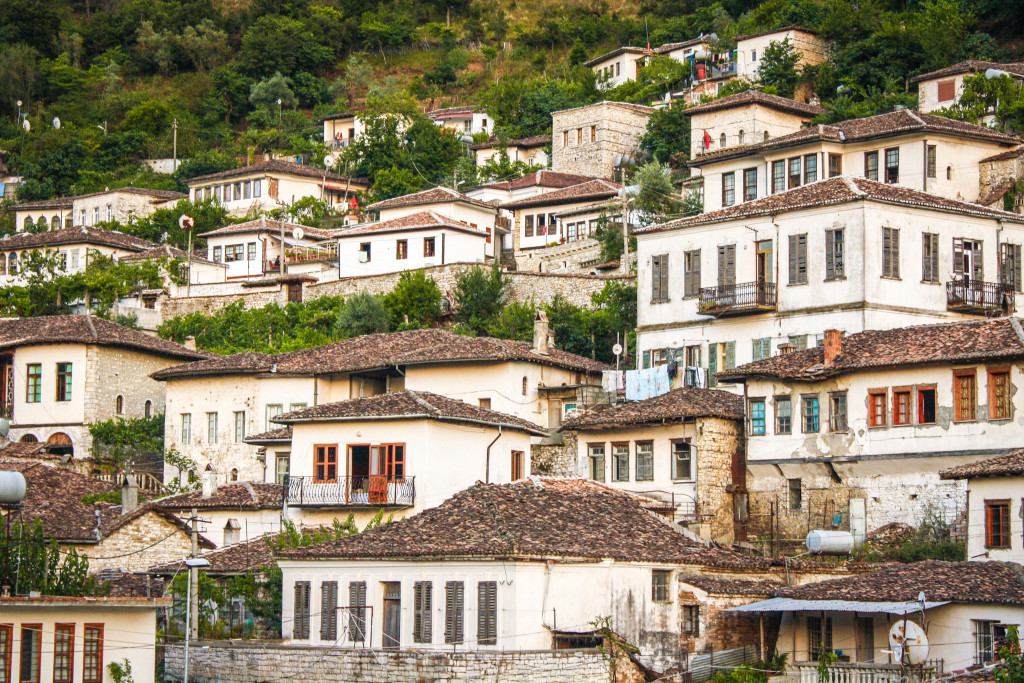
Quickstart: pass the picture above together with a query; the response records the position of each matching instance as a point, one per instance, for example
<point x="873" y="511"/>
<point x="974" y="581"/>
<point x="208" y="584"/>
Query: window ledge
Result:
<point x="659" y="301"/>
<point x="835" y="279"/>
<point x="890" y="277"/>
<point x="797" y="284"/>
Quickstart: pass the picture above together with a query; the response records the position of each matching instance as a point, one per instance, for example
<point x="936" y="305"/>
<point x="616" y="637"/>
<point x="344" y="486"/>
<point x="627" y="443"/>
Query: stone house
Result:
<point x="731" y="286"/>
<point x="63" y="373"/>
<point x="252" y="250"/>
<point x="853" y="434"/>
<point x="598" y="140"/>
<point x="532" y="151"/>
<point x="275" y="184"/>
<point x="466" y="120"/>
<point x="744" y="119"/>
<point x="73" y="246"/>
<point x="122" y="205"/>
<point x="230" y="513"/>
<point x="535" y="224"/>
<point x="994" y="532"/>
<point x="943" y="88"/>
<point x="683" y="449"/>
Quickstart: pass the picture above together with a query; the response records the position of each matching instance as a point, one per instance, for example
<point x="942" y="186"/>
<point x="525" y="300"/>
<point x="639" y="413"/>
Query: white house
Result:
<point x="535" y="223"/>
<point x="253" y="249"/>
<point x="532" y="151"/>
<point x="530" y="185"/>
<point x="750" y="49"/>
<point x="462" y="119"/>
<point x="854" y="434"/>
<point x="450" y="203"/>
<point x="619" y="66"/>
<point x="745" y="118"/>
<point x="73" y="246"/>
<point x="230" y="513"/>
<point x="994" y="530"/>
<point x="341" y="130"/>
<point x="943" y="88"/>
<point x="122" y="205"/>
<point x="730" y="286"/>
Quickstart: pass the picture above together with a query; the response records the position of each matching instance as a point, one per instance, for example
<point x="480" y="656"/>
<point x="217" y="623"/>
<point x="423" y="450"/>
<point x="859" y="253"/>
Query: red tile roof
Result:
<point x="452" y="112"/>
<point x="542" y="178"/>
<point x="277" y="166"/>
<point x="669" y="47"/>
<point x="237" y="558"/>
<point x="435" y="195"/>
<point x="78" y="235"/>
<point x="243" y="496"/>
<point x="271" y="226"/>
<point x="670" y="408"/>
<point x="749" y="97"/>
<point x="165" y="251"/>
<point x="1011" y="465"/>
<point x="537" y="518"/>
<point x="971" y="66"/>
<point x="66" y="202"/>
<point x="532" y="141"/>
<point x="422" y="220"/>
<point x="282" y="435"/>
<point x="581" y="192"/>
<point x="973" y="341"/>
<point x="407" y="405"/>
<point x="750" y="588"/>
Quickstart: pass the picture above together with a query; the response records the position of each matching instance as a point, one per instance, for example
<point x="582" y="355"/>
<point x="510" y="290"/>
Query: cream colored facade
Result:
<point x="249" y="192"/>
<point x="742" y="125"/>
<point x="981" y="491"/>
<point x="533" y="155"/>
<point x="342" y="130"/>
<point x="618" y="66"/>
<point x="122" y="206"/>
<point x="750" y="50"/>
<point x="75" y="257"/>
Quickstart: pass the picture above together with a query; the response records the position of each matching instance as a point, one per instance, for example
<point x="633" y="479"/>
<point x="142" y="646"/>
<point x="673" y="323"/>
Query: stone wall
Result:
<point x="718" y="442"/>
<point x="162" y="540"/>
<point x="219" y="662"/>
<point x="618" y="129"/>
<point x="724" y="630"/>
<point x="996" y="177"/>
<point x="558" y="460"/>
<point x="572" y="257"/>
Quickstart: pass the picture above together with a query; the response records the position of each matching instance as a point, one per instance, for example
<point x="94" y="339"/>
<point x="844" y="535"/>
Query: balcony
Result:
<point x="365" y="491"/>
<point x="979" y="298"/>
<point x="327" y="252"/>
<point x="747" y="298"/>
<point x="863" y="672"/>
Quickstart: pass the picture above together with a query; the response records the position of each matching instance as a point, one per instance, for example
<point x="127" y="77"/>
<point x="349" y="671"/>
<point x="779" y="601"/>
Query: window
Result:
<point x="753" y="55"/>
<point x="593" y="133"/>
<point x="659" y="278"/>
<point x="871" y="165"/>
<point x="930" y="165"/>
<point x="34" y="383"/>
<point x="742" y="137"/>
<point x="837" y="411"/>
<point x="891" y="252"/>
<point x="762" y="348"/>
<point x="95" y="215"/>
<point x="819" y="636"/>
<point x="63" y="381"/>
<point x="796" y="494"/>
<point x="691" y="273"/>
<point x="186" y="429"/>
<point x="238" y="191"/>
<point x="526" y="386"/>
<point x="453" y="612"/>
<point x="579" y="136"/>
<point x="232" y="529"/>
<point x="31" y="634"/>
<point x="835" y="165"/>
<point x="402" y="249"/>
<point x="364" y="252"/>
<point x="273" y="410"/>
<point x="749" y="184"/>
<point x="239" y="426"/>
<point x="967" y="259"/>
<point x="217" y="254"/>
<point x="283" y="468"/>
<point x="1010" y="265"/>
<point x="691" y="620"/>
<point x="926" y="405"/>
<point x="326" y="463"/>
<point x="76" y="261"/>
<point x="965" y="396"/>
<point x="835" y="250"/>
<point x="811" y="416"/>
<point x="794" y="172"/>
<point x="528" y="226"/>
<point x="63" y="653"/>
<point x="987" y="636"/>
<point x="300" y="630"/>
<point x="946" y="90"/>
<point x="595" y="453"/>
<point x="877" y="408"/>
<point x="92" y="654"/>
<point x="620" y="462"/>
<point x="660" y="585"/>
<point x="147" y="409"/>
<point x="901" y="407"/>
<point x="723" y="141"/>
<point x="517" y="465"/>
<point x="682" y="460"/>
<point x="778" y="176"/>
<point x="542" y="228"/>
<point x="487" y="613"/>
<point x="565" y="138"/>
<point x="929" y="257"/>
<point x="328" y="610"/>
<point x="211" y="427"/>
<point x="810" y="168"/>
<point x="892" y="165"/>
<point x="645" y="461"/>
<point x="422" y="612"/>
<point x="357" y="611"/>
<point x="757" y="421"/>
<point x="1000" y="391"/>
<point x="234" y="252"/>
<point x="728" y="186"/>
<point x="997" y="523"/>
<point x="428" y="247"/>
<point x="783" y="415"/>
<point x="250" y="253"/>
<point x="798" y="259"/>
<point x="6" y="651"/>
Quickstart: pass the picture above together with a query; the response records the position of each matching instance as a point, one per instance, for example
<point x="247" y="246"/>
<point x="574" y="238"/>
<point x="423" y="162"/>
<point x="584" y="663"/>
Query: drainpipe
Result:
<point x="487" y="467"/>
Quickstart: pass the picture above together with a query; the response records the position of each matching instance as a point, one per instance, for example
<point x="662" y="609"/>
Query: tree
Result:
<point x="668" y="133"/>
<point x="515" y="321"/>
<point x="656" y="198"/>
<point x="205" y="44"/>
<point x="273" y="90"/>
<point x="578" y="54"/>
<point x="1002" y="96"/>
<point x="778" y="67"/>
<point x="354" y="82"/>
<point x="162" y="224"/>
<point x="363" y="313"/>
<point x="276" y="43"/>
<point x="136" y="444"/>
<point x="415" y="301"/>
<point x="28" y="562"/>
<point x="480" y="297"/>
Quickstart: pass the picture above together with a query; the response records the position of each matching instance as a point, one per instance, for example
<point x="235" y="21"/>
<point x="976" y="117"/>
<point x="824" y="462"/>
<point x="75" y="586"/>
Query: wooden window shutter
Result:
<point x="978" y="272"/>
<point x="328" y="610"/>
<point x="762" y="348"/>
<point x="422" y="631"/>
<point x="453" y="612"/>
<point x="695" y="273"/>
<point x="712" y="363"/>
<point x="958" y="255"/>
<point x="664" y="277"/>
<point x="301" y="629"/>
<point x="730" y="355"/>
<point x="830" y="255"/>
<point x="357" y="611"/>
<point x="797" y="259"/>
<point x="726" y="265"/>
<point x="946" y="90"/>
<point x="487" y="613"/>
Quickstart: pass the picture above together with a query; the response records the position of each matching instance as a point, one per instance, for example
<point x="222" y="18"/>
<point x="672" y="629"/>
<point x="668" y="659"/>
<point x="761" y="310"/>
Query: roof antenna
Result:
<point x="648" y="32"/>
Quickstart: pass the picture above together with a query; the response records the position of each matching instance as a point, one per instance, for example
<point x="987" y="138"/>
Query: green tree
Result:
<point x="515" y="321"/>
<point x="205" y="44"/>
<point x="354" y="82"/>
<point x="578" y="54"/>
<point x="414" y="302"/>
<point x="1002" y="96"/>
<point x="276" y="43"/>
<point x="271" y="91"/>
<point x="667" y="134"/>
<point x="30" y="562"/>
<point x="480" y="295"/>
<point x="779" y="67"/>
<point x="136" y="444"/>
<point x="162" y="224"/>
<point x="363" y="313"/>
<point x="656" y="198"/>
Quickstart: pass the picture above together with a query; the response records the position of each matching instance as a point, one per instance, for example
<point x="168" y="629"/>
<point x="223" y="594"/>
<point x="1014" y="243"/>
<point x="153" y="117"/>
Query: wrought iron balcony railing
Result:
<point x="740" y="299"/>
<point x="374" y="490"/>
<point x="979" y="297"/>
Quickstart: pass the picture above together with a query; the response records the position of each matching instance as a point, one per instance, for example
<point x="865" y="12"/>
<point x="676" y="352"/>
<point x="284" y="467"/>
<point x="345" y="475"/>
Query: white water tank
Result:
<point x="826" y="542"/>
<point x="12" y="488"/>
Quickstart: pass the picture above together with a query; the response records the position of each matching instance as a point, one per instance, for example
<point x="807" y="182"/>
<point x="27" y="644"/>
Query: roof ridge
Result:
<point x="252" y="491"/>
<point x="498" y="520"/>
<point x="852" y="184"/>
<point x="419" y="400"/>
<point x="913" y="114"/>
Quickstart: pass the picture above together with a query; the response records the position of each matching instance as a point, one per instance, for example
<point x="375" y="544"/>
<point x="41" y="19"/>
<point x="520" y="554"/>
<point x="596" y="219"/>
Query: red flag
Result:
<point x="707" y="140"/>
<point x="352" y="203"/>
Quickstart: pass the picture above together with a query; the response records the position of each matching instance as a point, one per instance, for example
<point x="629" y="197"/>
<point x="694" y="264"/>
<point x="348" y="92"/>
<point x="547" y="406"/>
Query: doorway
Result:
<point x="765" y="266"/>
<point x="392" y="615"/>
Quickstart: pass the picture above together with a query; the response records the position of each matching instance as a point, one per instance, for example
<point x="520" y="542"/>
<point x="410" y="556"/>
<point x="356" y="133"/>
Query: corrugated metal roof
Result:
<point x="791" y="605"/>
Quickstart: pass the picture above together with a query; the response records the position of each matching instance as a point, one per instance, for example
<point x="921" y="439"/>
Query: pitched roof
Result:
<point x="626" y="49"/>
<point x="541" y="178"/>
<point x="749" y="97"/>
<point x="377" y="351"/>
<point x="409" y="405"/>
<point x="21" y="450"/>
<point x="670" y="408"/>
<point x="715" y="585"/>
<point x="281" y="435"/>
<point x="77" y="235"/>
<point x="276" y="166"/>
<point x="165" y="251"/>
<point x="451" y="111"/>
<point x="580" y="192"/>
<point x="66" y="202"/>
<point x="791" y="27"/>
<point x="421" y="220"/>
<point x="532" y="518"/>
<point x="532" y="141"/>
<point x="129" y="585"/>
<point x="435" y="195"/>
<point x="237" y="558"/>
<point x="638" y="108"/>
<point x="942" y="343"/>
<point x="834" y="191"/>
<point x="335" y="117"/>
<point x="243" y="496"/>
<point x="971" y="66"/>
<point x="81" y="329"/>
<point x="57" y="203"/>
<point x="1011" y="465"/>
<point x="669" y="47"/>
<point x="270" y="226"/>
<point x="1004" y="156"/>
<point x="970" y="582"/>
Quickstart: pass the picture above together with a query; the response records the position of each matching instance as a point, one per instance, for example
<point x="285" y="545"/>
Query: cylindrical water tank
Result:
<point x="12" y="487"/>
<point x="826" y="542"/>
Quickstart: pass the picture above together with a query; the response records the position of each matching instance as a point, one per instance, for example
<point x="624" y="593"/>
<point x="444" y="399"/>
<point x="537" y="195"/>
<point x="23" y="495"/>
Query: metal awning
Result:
<point x="791" y="605"/>
<point x="292" y="242"/>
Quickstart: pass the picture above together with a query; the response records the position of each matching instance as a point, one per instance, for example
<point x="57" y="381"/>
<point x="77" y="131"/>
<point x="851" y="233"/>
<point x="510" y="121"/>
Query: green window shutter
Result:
<point x="647" y="359"/>
<point x="762" y="348"/>
<point x="712" y="363"/>
<point x="730" y="355"/>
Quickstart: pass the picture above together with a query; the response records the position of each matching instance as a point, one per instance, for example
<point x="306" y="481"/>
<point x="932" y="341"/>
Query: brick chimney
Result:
<point x="209" y="483"/>
<point x="833" y="345"/>
<point x="542" y="337"/>
<point x="129" y="495"/>
<point x="190" y="343"/>
<point x="785" y="348"/>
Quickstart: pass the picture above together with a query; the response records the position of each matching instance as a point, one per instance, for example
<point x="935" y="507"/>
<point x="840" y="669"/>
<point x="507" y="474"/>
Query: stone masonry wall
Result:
<point x="718" y="441"/>
<point x="218" y="662"/>
<point x="557" y="460"/>
<point x="997" y="174"/>
<point x="619" y="129"/>
<point x="570" y="257"/>
<point x="724" y="630"/>
<point x="171" y="543"/>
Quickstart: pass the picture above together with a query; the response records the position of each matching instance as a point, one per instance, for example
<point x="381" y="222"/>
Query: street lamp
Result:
<point x="19" y="112"/>
<point x="193" y="563"/>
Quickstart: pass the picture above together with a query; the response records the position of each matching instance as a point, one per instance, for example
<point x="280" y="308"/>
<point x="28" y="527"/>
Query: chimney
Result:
<point x="190" y="343"/>
<point x="542" y="334"/>
<point x="209" y="482"/>
<point x="129" y="495"/>
<point x="833" y="345"/>
<point x="785" y="348"/>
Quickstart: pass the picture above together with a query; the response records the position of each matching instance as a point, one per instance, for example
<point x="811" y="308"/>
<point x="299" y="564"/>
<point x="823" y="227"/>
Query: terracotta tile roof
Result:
<point x="542" y="178"/>
<point x="669" y="47"/>
<point x="451" y="111"/>
<point x="532" y="519"/>
<point x="943" y="343"/>
<point x="834" y="191"/>
<point x="791" y="27"/>
<point x="78" y="235"/>
<point x="58" y="203"/>
<point x="970" y="582"/>
<point x="80" y="329"/>
<point x="1004" y="156"/>
<point x="532" y="141"/>
<point x="19" y="450"/>
<point x="376" y="351"/>
<point x="971" y="66"/>
<point x="276" y="166"/>
<point x="670" y="408"/>
<point x="166" y="251"/>
<point x="66" y="202"/>
<point x="1011" y="465"/>
<point x="335" y="117"/>
<point x="282" y="435"/>
<point x="128" y="585"/>
<point x="243" y="496"/>
<point x="422" y="220"/>
<point x="638" y="108"/>
<point x="749" y="97"/>
<point x="237" y="558"/>
<point x="746" y="587"/>
<point x="435" y="195"/>
<point x="615" y="53"/>
<point x="409" y="405"/>
<point x="270" y="226"/>
<point x="581" y="192"/>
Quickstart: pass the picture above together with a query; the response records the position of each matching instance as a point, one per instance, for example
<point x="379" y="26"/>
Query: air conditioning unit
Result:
<point x="364" y="257"/>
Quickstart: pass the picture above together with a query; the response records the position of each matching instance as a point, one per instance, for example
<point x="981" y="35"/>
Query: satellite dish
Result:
<point x="26" y="125"/>
<point x="56" y="123"/>
<point x="19" y="103"/>
<point x="329" y="161"/>
<point x="909" y="642"/>
<point x="186" y="222"/>
<point x="617" y="349"/>
<point x="298" y="233"/>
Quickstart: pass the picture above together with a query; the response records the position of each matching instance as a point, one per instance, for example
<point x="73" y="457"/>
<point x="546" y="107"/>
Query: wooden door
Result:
<point x="295" y="292"/>
<point x="392" y="615"/>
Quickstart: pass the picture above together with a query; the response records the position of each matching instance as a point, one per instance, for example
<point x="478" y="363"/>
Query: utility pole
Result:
<point x="623" y="263"/>
<point x="174" y="163"/>
<point x="193" y="580"/>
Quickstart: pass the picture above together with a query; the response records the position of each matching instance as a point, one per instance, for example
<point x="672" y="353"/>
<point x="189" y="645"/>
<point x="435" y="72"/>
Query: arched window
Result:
<point x="232" y="532"/>
<point x="949" y="173"/>
<point x="60" y="444"/>
<point x="234" y="474"/>
<point x="723" y="139"/>
<point x="119" y="405"/>
<point x="526" y="386"/>
<point x="743" y="137"/>
<point x="12" y="264"/>
<point x="29" y="438"/>
<point x="149" y="409"/>
<point x="28" y="222"/>
<point x="55" y="223"/>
